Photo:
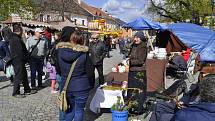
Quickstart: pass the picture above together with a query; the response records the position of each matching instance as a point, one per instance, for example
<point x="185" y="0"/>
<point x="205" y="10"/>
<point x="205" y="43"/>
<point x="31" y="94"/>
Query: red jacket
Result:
<point x="186" y="55"/>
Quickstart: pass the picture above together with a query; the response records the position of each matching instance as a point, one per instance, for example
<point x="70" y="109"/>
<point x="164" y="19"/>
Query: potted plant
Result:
<point x="120" y="110"/>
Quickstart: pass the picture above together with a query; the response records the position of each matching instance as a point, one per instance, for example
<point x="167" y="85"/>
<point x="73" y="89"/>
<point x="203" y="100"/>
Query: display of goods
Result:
<point x="124" y="84"/>
<point x="116" y="84"/>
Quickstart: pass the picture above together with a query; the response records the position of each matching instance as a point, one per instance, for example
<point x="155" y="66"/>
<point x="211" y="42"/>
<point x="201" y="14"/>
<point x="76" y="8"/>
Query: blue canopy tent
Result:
<point x="201" y="39"/>
<point x="143" y="24"/>
<point x="126" y="26"/>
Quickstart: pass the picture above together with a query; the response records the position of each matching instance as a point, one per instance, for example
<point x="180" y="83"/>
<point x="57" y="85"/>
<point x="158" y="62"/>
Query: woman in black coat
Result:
<point x="80" y="82"/>
<point x="137" y="70"/>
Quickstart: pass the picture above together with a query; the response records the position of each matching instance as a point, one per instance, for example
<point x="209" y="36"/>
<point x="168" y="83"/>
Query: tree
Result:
<point x="20" y="7"/>
<point x="181" y="10"/>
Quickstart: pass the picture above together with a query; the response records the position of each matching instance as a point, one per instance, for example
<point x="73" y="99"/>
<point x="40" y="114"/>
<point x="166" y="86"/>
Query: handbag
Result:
<point x="33" y="48"/>
<point x="10" y="71"/>
<point x="4" y="63"/>
<point x="62" y="97"/>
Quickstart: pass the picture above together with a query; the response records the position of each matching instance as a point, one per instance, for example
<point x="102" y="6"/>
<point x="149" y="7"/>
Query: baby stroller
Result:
<point x="177" y="65"/>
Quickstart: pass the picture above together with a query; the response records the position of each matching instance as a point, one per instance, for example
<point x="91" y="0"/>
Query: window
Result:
<point x="41" y="17"/>
<point x="48" y="17"/>
<point x="75" y="20"/>
<point x="83" y="23"/>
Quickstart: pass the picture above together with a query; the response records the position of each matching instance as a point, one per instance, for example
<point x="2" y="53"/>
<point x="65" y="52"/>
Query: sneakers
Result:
<point x="41" y="87"/>
<point x="53" y="92"/>
<point x="31" y="92"/>
<point x="19" y="96"/>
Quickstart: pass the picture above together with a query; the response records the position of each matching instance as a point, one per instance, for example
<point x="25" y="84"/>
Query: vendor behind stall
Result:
<point x="137" y="71"/>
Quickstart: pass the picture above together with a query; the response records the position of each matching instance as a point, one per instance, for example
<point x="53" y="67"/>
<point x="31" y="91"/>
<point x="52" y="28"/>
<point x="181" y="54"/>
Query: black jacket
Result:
<point x="138" y="54"/>
<point x="97" y="52"/>
<point x="54" y="58"/>
<point x="18" y="49"/>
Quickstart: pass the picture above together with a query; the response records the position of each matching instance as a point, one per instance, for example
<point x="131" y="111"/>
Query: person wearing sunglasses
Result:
<point x="97" y="55"/>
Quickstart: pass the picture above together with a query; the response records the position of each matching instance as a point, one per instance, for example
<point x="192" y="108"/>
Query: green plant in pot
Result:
<point x="120" y="110"/>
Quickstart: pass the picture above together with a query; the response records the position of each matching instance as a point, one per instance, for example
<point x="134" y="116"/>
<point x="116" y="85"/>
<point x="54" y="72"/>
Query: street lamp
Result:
<point x="212" y="14"/>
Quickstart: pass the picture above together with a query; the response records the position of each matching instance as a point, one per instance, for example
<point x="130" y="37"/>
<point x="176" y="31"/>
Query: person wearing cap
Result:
<point x="37" y="51"/>
<point x="137" y="58"/>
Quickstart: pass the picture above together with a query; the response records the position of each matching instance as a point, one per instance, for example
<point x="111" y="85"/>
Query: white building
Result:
<point x="72" y="10"/>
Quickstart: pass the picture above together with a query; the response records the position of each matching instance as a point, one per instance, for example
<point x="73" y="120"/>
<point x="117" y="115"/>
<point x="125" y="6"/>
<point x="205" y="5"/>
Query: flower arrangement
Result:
<point x="120" y="106"/>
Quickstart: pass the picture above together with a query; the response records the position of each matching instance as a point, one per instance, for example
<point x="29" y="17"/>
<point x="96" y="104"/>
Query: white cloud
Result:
<point x="126" y="10"/>
<point x="127" y="5"/>
<point x="112" y="5"/>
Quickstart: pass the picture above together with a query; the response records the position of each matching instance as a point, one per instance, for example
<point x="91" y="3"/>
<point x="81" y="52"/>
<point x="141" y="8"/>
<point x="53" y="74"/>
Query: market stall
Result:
<point x="105" y="98"/>
<point x="155" y="66"/>
<point x="201" y="40"/>
<point x="106" y="95"/>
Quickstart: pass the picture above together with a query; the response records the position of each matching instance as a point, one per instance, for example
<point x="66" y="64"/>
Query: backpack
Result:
<point x="53" y="56"/>
<point x="53" y="59"/>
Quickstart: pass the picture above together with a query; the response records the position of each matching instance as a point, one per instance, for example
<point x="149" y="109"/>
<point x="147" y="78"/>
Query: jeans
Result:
<point x="59" y="81"/>
<point x="36" y="66"/>
<point x="77" y="103"/>
<point x="61" y="113"/>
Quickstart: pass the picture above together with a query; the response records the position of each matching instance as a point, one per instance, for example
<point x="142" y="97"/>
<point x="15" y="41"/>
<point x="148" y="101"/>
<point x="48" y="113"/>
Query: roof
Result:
<point x="96" y="11"/>
<point x="35" y="23"/>
<point x="119" y="21"/>
<point x="11" y="20"/>
<point x="60" y="25"/>
<point x="201" y="39"/>
<point x="69" y="6"/>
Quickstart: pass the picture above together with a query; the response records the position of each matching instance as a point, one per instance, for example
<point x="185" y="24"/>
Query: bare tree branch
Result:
<point x="168" y="13"/>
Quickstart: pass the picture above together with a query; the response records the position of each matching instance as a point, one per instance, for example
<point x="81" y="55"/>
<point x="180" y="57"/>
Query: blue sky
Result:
<point x="126" y="10"/>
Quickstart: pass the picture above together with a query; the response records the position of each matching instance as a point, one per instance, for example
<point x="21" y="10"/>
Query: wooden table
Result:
<point x="155" y="73"/>
<point x="116" y="76"/>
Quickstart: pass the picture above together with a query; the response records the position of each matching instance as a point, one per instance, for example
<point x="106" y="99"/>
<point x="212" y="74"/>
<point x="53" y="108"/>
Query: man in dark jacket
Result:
<point x="137" y="71"/>
<point x="19" y="55"/>
<point x="97" y="55"/>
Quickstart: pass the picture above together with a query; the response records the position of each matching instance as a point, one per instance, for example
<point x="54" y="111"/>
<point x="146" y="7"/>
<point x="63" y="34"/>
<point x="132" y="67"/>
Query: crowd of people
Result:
<point x="70" y="59"/>
<point x="68" y="48"/>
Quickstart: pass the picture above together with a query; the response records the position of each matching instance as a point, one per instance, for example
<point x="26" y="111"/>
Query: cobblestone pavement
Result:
<point x="43" y="105"/>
